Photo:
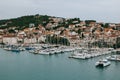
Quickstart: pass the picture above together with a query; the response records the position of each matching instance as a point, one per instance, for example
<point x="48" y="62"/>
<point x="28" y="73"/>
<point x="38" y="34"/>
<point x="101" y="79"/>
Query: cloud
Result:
<point x="101" y="10"/>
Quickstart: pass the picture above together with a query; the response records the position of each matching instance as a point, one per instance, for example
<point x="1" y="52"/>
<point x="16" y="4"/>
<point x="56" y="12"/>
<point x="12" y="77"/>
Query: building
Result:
<point x="11" y="40"/>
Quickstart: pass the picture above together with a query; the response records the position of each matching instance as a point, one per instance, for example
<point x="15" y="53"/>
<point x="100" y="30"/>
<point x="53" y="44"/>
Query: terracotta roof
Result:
<point x="9" y="36"/>
<point x="113" y="35"/>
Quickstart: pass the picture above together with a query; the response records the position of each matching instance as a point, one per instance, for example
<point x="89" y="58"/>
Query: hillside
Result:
<point x="46" y="21"/>
<point x="24" y="21"/>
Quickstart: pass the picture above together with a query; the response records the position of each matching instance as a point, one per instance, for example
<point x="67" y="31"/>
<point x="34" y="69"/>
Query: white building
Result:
<point x="10" y="40"/>
<point x="41" y="39"/>
<point x="29" y="41"/>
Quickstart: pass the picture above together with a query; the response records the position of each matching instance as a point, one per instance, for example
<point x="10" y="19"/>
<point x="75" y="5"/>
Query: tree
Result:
<point x="24" y="21"/>
<point x="118" y="42"/>
<point x="82" y="36"/>
<point x="79" y="31"/>
<point x="106" y="25"/>
<point x="11" y="31"/>
<point x="88" y="21"/>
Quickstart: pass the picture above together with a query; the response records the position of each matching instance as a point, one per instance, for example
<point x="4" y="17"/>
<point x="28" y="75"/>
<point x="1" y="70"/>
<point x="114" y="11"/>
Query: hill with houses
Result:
<point x="56" y="30"/>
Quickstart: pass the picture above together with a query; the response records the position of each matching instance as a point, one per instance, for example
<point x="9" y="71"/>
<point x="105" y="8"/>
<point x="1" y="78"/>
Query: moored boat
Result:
<point x="114" y="57"/>
<point x="78" y="56"/>
<point x="102" y="63"/>
<point x="7" y="48"/>
<point x="15" y="50"/>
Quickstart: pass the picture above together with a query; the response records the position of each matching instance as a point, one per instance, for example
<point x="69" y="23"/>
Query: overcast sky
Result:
<point x="100" y="10"/>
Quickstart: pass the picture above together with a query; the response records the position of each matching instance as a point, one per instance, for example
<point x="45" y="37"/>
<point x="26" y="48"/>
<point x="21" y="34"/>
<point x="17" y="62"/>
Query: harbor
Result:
<point x="75" y="52"/>
<point x="59" y="40"/>
<point x="27" y="66"/>
<point x="47" y="49"/>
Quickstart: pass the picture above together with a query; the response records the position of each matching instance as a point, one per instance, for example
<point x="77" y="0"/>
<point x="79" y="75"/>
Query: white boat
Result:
<point x="88" y="56"/>
<point x="21" y="49"/>
<point x="103" y="63"/>
<point x="114" y="57"/>
<point x="44" y="52"/>
<point x="7" y="48"/>
<point x="81" y="54"/>
<point x="52" y="51"/>
<point x="32" y="51"/>
<point x="57" y="51"/>
<point x="78" y="56"/>
<point x="66" y="50"/>
<point x="112" y="49"/>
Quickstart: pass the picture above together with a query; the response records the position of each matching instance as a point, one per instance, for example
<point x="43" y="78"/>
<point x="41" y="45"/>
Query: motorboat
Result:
<point x="103" y="63"/>
<point x="114" y="57"/>
<point x="78" y="56"/>
<point x="7" y="48"/>
<point x="21" y="48"/>
<point x="81" y="54"/>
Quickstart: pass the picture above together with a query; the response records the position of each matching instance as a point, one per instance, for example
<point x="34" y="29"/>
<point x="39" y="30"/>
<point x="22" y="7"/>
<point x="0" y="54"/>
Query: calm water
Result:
<point x="27" y="66"/>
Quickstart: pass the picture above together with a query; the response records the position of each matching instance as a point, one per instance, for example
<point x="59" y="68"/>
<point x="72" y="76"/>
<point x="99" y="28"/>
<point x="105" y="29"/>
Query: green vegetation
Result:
<point x="106" y="25"/>
<point x="24" y="21"/>
<point x="118" y="42"/>
<point x="89" y="21"/>
<point x="79" y="31"/>
<point x="73" y="21"/>
<point x="11" y="31"/>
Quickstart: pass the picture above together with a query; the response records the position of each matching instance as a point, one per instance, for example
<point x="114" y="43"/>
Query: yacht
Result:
<point x="114" y="57"/>
<point x="42" y="52"/>
<point x="7" y="48"/>
<point x="102" y="63"/>
<point x="21" y="48"/>
<point x="81" y="54"/>
<point x="78" y="56"/>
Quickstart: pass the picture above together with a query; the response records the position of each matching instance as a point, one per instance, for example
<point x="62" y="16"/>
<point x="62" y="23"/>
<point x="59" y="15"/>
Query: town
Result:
<point x="59" y="40"/>
<point x="61" y="31"/>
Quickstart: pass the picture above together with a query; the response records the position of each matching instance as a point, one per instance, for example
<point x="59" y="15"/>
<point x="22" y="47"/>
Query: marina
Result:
<point x="59" y="40"/>
<point x="77" y="52"/>
<point x="14" y="66"/>
<point x="90" y="53"/>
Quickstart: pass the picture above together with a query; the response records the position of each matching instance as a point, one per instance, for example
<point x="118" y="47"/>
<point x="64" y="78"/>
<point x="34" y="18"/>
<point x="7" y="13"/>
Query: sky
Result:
<point x="99" y="10"/>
